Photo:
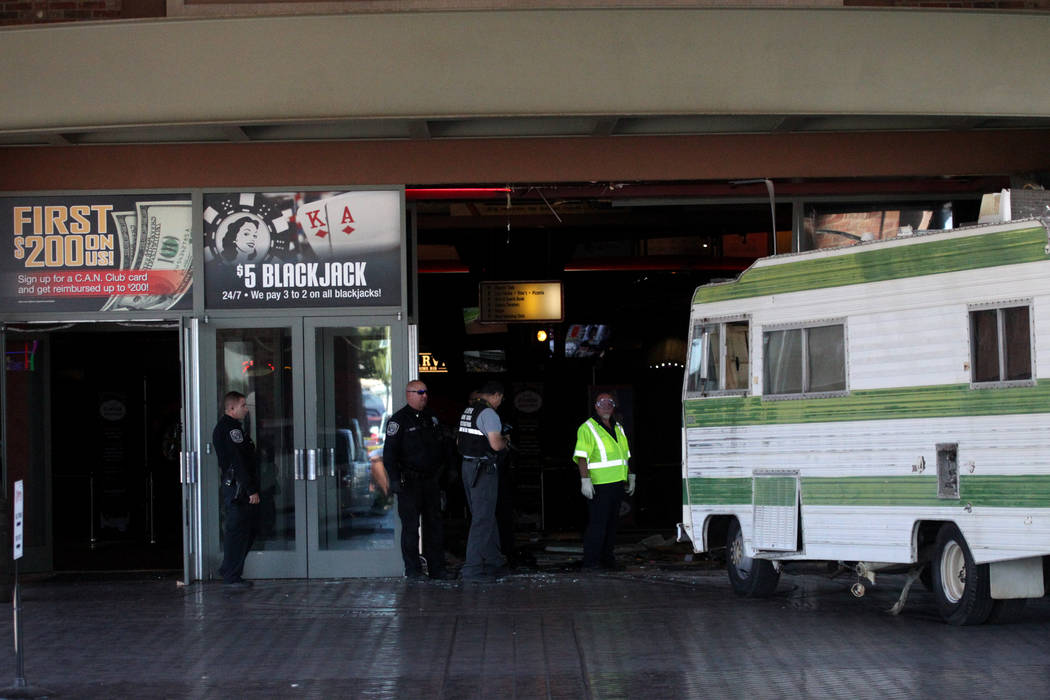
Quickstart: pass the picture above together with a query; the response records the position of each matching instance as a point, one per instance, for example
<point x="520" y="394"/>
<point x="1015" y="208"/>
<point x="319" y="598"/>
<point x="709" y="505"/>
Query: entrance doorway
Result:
<point x="93" y="429"/>
<point x="115" y="440"/>
<point x="319" y="392"/>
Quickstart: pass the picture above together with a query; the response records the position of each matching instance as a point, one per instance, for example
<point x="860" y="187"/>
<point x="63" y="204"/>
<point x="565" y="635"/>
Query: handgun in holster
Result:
<point x="230" y="479"/>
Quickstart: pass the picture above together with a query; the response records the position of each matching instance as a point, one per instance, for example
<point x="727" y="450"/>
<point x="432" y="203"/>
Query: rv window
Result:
<point x="728" y="365"/>
<point x="827" y="359"/>
<point x="1000" y="345"/>
<point x="783" y="362"/>
<point x="800" y="361"/>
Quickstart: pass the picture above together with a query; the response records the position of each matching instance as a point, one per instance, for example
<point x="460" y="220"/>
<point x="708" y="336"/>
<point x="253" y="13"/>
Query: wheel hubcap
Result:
<point x="953" y="572"/>
<point x="741" y="562"/>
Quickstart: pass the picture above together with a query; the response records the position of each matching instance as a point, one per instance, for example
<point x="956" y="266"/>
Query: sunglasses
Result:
<point x="606" y="402"/>
<point x="416" y="391"/>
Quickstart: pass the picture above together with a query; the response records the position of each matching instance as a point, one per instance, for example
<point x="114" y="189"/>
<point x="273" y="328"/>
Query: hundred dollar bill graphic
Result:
<point x="127" y="236"/>
<point x="163" y="244"/>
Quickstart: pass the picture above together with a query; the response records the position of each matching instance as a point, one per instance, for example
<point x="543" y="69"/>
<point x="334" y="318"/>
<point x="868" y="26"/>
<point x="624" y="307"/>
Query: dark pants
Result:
<point x="420" y="497"/>
<point x="603" y="516"/>
<point x="483" y="555"/>
<point x="241" y="525"/>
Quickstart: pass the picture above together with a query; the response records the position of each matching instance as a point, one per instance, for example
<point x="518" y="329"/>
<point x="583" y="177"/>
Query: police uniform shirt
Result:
<point x="236" y="451"/>
<point x="413" y="443"/>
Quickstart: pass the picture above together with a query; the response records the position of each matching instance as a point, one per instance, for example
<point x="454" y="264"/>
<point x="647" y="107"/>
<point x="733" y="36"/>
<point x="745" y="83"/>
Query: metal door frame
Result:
<point x="259" y="564"/>
<point x="201" y="497"/>
<point x="190" y="457"/>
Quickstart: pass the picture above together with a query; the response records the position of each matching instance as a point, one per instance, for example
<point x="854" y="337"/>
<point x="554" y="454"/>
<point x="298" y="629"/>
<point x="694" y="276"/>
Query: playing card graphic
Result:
<point x="363" y="221"/>
<point x="313" y="219"/>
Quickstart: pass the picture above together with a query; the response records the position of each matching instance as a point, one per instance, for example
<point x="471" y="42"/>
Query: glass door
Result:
<point x="353" y="525"/>
<point x="319" y="393"/>
<point x="260" y="359"/>
<point x="26" y="437"/>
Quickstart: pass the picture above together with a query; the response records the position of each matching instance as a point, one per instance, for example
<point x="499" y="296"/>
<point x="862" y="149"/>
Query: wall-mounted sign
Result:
<point x="19" y="513"/>
<point x="266" y="250"/>
<point x="521" y="302"/>
<point x="428" y="364"/>
<point x="96" y="252"/>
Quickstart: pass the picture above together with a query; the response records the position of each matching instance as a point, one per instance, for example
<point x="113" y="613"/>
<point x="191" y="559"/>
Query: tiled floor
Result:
<point x="637" y="634"/>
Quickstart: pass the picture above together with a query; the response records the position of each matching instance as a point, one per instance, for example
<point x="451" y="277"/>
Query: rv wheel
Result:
<point x="750" y="578"/>
<point x="959" y="585"/>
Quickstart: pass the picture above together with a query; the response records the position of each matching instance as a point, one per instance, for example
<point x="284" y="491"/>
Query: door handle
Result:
<point x="331" y="462"/>
<point x="311" y="465"/>
<point x="188" y="462"/>
<point x="298" y="463"/>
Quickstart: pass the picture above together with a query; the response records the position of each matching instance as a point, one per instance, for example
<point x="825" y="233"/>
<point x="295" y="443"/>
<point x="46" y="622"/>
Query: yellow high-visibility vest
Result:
<point x="606" y="456"/>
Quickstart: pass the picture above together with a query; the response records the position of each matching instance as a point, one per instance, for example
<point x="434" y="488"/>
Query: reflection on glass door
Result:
<point x="354" y="509"/>
<point x="257" y="362"/>
<point x="350" y="503"/>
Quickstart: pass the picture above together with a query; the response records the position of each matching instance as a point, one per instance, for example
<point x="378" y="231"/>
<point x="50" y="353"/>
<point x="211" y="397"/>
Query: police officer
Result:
<point x="239" y="473"/>
<point x="602" y="455"/>
<point x="414" y="455"/>
<point x="481" y="442"/>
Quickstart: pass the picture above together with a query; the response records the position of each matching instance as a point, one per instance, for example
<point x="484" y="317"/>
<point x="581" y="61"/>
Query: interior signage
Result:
<point x="429" y="364"/>
<point x="521" y="302"/>
<point x="287" y="250"/>
<point x="96" y="252"/>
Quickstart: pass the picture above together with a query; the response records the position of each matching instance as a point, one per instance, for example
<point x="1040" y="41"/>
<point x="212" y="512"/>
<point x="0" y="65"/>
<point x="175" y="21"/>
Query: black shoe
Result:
<point x="414" y="575"/>
<point x="443" y="576"/>
<point x="613" y="567"/>
<point x="239" y="584"/>
<point x="500" y="571"/>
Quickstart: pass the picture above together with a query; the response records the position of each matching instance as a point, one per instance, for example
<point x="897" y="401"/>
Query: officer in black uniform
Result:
<point x="239" y="473"/>
<point x="415" y="454"/>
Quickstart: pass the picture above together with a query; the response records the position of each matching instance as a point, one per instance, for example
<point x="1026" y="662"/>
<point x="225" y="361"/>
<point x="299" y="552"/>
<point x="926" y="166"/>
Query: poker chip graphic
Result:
<point x="244" y="227"/>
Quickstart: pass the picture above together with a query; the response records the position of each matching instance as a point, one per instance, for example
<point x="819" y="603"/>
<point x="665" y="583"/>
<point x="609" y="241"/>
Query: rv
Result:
<point x="879" y="407"/>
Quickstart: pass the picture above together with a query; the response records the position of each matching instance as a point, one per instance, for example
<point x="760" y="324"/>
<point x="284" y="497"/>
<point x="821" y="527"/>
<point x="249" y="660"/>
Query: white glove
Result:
<point x="630" y="484"/>
<point x="587" y="488"/>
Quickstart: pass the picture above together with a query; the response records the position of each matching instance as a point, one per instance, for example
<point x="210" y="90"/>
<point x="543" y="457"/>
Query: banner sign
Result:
<point x="96" y="253"/>
<point x="287" y="250"/>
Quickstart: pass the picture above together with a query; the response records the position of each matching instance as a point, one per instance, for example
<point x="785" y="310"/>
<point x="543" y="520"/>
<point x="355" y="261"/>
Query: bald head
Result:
<point x="416" y="395"/>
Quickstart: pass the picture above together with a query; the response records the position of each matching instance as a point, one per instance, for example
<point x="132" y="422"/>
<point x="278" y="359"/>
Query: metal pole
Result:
<point x="152" y="522"/>
<point x="91" y="501"/>
<point x="20" y="675"/>
<point x="145" y="457"/>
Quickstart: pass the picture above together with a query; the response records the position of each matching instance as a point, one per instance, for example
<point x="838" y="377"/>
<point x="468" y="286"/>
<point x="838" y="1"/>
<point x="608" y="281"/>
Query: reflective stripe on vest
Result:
<point x="608" y="470"/>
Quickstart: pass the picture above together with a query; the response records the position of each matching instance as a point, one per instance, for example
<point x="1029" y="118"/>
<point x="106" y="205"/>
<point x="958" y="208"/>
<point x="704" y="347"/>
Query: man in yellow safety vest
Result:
<point x="602" y="455"/>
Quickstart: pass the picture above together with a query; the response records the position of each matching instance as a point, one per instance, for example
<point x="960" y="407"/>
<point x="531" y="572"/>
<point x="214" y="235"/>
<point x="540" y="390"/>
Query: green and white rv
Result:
<point x="879" y="407"/>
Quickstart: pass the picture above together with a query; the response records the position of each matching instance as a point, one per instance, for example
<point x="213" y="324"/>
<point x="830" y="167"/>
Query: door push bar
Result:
<point x="306" y="463"/>
<point x="189" y="467"/>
